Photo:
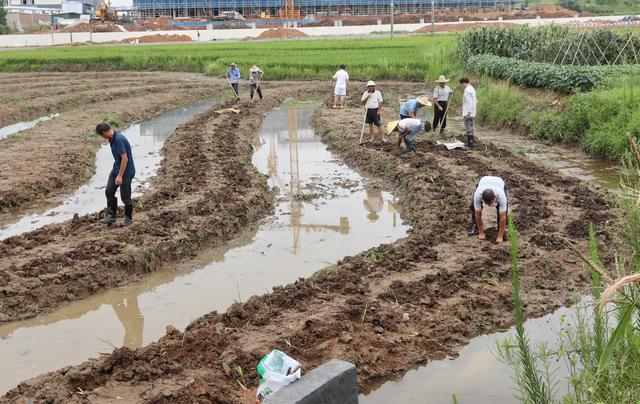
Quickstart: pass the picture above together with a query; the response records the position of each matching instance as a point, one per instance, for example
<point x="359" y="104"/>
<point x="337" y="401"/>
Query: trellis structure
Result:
<point x="588" y="49"/>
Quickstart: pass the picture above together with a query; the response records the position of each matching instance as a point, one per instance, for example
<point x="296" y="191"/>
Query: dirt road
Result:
<point x="58" y="155"/>
<point x="451" y="286"/>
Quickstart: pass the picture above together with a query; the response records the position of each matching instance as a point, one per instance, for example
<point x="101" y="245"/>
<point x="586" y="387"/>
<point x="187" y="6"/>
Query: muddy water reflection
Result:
<point x="324" y="211"/>
<point x="475" y="376"/>
<point x="20" y="126"/>
<point x="146" y="138"/>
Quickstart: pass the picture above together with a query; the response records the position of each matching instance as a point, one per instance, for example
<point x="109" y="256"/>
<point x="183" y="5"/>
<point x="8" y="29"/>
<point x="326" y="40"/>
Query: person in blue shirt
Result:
<point x="233" y="75"/>
<point x="410" y="108"/>
<point x="121" y="174"/>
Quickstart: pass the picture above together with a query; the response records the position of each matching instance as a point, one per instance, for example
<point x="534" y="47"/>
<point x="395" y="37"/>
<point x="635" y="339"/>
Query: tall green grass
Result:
<point x="501" y="103"/>
<point x="601" y="347"/>
<point x="414" y="58"/>
<point x="598" y="120"/>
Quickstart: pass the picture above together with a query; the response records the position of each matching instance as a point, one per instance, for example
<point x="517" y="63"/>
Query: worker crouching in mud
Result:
<point x="490" y="190"/>
<point x="408" y="129"/>
<point x="121" y="174"/>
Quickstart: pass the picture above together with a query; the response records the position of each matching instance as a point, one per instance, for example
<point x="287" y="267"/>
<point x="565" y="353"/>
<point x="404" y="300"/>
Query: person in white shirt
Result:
<point x="469" y="103"/>
<point x="441" y="95"/>
<point x="372" y="99"/>
<point x="408" y="130"/>
<point x="489" y="190"/>
<point x="340" y="91"/>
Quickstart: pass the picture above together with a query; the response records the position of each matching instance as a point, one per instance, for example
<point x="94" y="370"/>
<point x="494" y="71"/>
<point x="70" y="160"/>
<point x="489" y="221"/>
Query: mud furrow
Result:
<point x="452" y="287"/>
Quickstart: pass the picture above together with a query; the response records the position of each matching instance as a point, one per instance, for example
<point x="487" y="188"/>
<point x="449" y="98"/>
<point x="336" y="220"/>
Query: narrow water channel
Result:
<point x="324" y="211"/>
<point x="146" y="138"/>
<point x="22" y="126"/>
<point x="476" y="375"/>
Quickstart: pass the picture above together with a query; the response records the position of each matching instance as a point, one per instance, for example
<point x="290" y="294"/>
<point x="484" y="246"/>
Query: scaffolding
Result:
<point x="305" y="8"/>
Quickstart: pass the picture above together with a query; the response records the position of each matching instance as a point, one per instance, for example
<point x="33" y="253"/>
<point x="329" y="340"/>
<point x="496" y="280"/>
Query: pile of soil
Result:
<point x="418" y="299"/>
<point x="158" y="38"/>
<point x="275" y="33"/>
<point x="463" y="27"/>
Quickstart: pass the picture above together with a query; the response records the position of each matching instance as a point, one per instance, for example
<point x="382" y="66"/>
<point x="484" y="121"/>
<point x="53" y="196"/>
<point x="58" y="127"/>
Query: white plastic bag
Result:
<point x="276" y="370"/>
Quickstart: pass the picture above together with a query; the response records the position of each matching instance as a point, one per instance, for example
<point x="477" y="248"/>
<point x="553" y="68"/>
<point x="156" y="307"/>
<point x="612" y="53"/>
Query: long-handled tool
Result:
<point x="444" y="116"/>
<point x="234" y="90"/>
<point x="364" y="123"/>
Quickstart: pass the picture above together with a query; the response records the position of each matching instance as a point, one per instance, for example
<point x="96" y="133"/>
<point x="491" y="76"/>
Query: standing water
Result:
<point x="146" y="138"/>
<point x="20" y="126"/>
<point x="476" y="375"/>
<point x="324" y="212"/>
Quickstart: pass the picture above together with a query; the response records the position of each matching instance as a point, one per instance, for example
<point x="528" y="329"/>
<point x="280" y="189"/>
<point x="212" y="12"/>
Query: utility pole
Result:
<point x="392" y="19"/>
<point x="433" y="17"/>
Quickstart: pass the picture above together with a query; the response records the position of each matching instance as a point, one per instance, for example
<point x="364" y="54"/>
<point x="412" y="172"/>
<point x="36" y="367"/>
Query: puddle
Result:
<point x="570" y="162"/>
<point x="333" y="215"/>
<point x="475" y="376"/>
<point x="146" y="138"/>
<point x="20" y="126"/>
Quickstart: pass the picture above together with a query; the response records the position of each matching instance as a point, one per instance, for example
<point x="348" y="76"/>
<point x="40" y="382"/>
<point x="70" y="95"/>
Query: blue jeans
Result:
<point x="125" y="191"/>
<point x="409" y="139"/>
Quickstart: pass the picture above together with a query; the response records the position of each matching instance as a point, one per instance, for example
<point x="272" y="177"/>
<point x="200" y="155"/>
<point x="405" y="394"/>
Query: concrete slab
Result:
<point x="333" y="382"/>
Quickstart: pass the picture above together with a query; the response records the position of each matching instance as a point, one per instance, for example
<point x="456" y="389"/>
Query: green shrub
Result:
<point x="501" y="104"/>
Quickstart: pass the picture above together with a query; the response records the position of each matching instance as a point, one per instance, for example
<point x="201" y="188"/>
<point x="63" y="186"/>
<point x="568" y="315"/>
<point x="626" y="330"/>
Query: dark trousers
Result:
<point x="254" y="87"/>
<point x="235" y="88"/>
<point x="473" y="209"/>
<point x="125" y="191"/>
<point x="438" y="116"/>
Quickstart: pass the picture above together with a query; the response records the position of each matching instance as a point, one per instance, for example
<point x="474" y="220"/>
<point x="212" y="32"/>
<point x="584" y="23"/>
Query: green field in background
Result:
<point x="414" y="58"/>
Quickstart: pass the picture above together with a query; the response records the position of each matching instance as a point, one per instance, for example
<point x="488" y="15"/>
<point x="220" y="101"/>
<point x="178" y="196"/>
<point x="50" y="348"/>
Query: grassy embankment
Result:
<point x="601" y="347"/>
<point x="594" y="106"/>
<point x="413" y="58"/>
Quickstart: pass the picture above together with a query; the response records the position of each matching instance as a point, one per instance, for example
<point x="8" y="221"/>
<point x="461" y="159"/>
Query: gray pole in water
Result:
<point x="433" y="17"/>
<point x="391" y="19"/>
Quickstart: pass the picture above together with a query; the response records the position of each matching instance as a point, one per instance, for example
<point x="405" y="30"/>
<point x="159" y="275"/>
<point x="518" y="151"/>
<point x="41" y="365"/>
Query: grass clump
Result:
<point x="502" y="103"/>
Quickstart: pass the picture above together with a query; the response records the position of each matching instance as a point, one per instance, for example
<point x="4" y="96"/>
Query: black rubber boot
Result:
<point x="471" y="141"/>
<point x="128" y="215"/>
<point x="111" y="213"/>
<point x="474" y="231"/>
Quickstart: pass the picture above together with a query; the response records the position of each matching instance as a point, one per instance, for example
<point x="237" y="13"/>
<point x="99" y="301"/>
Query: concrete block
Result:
<point x="332" y="382"/>
<point x="460" y="19"/>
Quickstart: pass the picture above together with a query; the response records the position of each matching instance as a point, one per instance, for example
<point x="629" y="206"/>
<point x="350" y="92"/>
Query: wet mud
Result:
<point x="386" y="309"/>
<point x="53" y="158"/>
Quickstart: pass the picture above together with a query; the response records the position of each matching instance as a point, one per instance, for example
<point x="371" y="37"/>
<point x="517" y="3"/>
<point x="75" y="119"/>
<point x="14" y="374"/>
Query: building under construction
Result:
<point x="304" y="8"/>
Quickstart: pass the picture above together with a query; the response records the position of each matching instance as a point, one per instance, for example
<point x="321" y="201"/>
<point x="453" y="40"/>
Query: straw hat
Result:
<point x="234" y="65"/>
<point x="391" y="126"/>
<point x="442" y="79"/>
<point x="371" y="83"/>
<point x="255" y="68"/>
<point x="424" y="101"/>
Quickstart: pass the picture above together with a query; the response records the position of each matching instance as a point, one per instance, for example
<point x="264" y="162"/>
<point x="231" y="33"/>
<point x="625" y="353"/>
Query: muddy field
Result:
<point x="451" y="286"/>
<point x="58" y="155"/>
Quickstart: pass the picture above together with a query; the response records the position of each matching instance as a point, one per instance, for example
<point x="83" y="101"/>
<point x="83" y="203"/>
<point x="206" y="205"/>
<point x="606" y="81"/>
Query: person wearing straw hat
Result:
<point x="441" y="95"/>
<point x="372" y="99"/>
<point x="410" y="108"/>
<point x="408" y="129"/>
<point x="255" y="76"/>
<point x="233" y="75"/>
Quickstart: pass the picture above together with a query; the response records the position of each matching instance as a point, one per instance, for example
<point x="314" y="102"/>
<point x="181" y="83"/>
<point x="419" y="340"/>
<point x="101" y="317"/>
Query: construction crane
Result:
<point x="289" y="9"/>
